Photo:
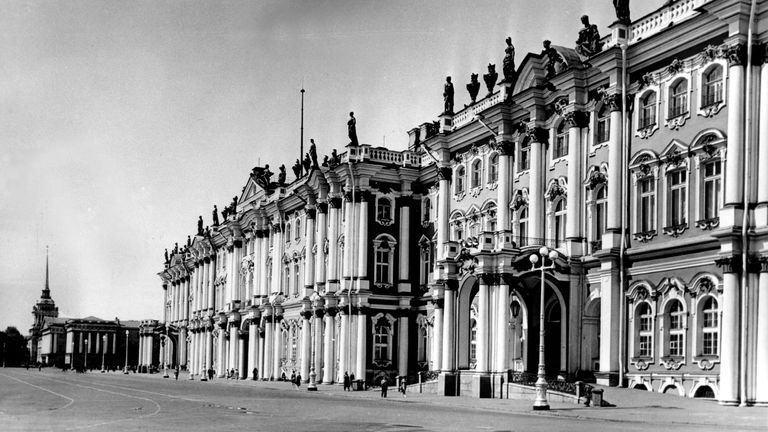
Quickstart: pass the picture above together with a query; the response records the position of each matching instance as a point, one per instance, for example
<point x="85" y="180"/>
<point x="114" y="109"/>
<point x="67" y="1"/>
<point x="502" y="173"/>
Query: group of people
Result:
<point x="295" y="380"/>
<point x="402" y="386"/>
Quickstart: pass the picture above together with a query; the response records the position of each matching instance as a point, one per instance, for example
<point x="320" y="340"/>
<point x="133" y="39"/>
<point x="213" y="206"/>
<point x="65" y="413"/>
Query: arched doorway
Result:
<point x="517" y="336"/>
<point x="468" y="289"/>
<point x="591" y="333"/>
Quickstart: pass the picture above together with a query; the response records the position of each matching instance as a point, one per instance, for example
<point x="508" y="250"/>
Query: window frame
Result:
<point x="381" y="202"/>
<point x="384" y="280"/>
<point x="476" y="174"/>
<point x="704" y="108"/>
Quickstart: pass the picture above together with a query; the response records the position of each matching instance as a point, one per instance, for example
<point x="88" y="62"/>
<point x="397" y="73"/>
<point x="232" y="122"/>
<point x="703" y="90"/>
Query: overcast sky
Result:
<point x="122" y="121"/>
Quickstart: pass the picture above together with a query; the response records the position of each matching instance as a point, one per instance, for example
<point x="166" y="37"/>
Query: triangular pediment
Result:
<point x="250" y="191"/>
<point x="530" y="73"/>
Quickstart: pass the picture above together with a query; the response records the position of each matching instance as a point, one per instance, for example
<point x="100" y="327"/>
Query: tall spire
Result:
<point x="47" y="289"/>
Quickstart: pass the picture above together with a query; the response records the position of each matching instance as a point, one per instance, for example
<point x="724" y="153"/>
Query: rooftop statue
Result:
<point x="297" y="168"/>
<point x="234" y="204"/>
<point x="473" y="88"/>
<point x="262" y="176"/>
<point x="325" y="161"/>
<point x="448" y="96"/>
<point x="490" y="78"/>
<point x="307" y="163"/>
<point x="215" y="215"/>
<point x="313" y="153"/>
<point x="335" y="159"/>
<point x="166" y="254"/>
<point x="508" y="67"/>
<point x="352" y="129"/>
<point x="622" y="11"/>
<point x="199" y="226"/>
<point x="189" y="242"/>
<point x="176" y="245"/>
<point x="281" y="175"/>
<point x="554" y="61"/>
<point x="588" y="43"/>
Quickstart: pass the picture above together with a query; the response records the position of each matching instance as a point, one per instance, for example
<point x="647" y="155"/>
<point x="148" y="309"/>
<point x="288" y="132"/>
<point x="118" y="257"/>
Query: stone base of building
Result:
<point x="481" y="386"/>
<point x="607" y="378"/>
<point x="446" y="384"/>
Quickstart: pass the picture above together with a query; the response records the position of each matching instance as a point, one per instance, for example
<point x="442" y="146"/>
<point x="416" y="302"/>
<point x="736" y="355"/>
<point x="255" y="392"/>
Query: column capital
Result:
<point x="322" y="207"/>
<point x="729" y="264"/>
<point x="444" y="173"/>
<point x="311" y="213"/>
<point x="335" y="203"/>
<point x="537" y="134"/>
<point x="736" y="54"/>
<point x="576" y="119"/>
<point x="505" y="147"/>
<point x="763" y="263"/>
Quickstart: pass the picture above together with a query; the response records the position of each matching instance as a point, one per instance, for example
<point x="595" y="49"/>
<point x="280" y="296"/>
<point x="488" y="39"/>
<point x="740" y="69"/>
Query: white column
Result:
<point x="362" y="240"/>
<point x="349" y="243"/>
<point x="436" y="354"/>
<point x="610" y="301"/>
<point x="402" y="345"/>
<point x="263" y="276"/>
<point x="253" y="348"/>
<point x="730" y="335"/>
<point x="150" y="341"/>
<point x="575" y="198"/>
<point x="761" y="212"/>
<point x="333" y="245"/>
<point x="208" y="347"/>
<point x="233" y="337"/>
<point x="141" y="350"/>
<point x="328" y="349"/>
<point x="362" y="332"/>
<point x="237" y="279"/>
<point x="343" y="344"/>
<point x="309" y="262"/>
<point x="761" y="396"/>
<point x="277" y="348"/>
<point x="266" y="369"/>
<point x="502" y="316"/>
<point x="277" y="261"/>
<point x="536" y="190"/>
<point x="211" y="278"/>
<point x="317" y="349"/>
<point x="448" y="348"/>
<point x="306" y="346"/>
<point x="613" y="214"/>
<point x="505" y="177"/>
<point x="483" y="318"/>
<point x="734" y="163"/>
<point x="322" y="226"/>
<point x="403" y="245"/>
<point x="443" y="210"/>
<point x="242" y="355"/>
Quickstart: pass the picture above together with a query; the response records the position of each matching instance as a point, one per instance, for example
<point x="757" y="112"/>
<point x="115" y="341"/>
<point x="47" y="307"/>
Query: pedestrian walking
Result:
<point x="255" y="374"/>
<point x="293" y="379"/>
<point x="383" y="386"/>
<point x="176" y="373"/>
<point x="346" y="381"/>
<point x="210" y="374"/>
<point x="298" y="380"/>
<point x="403" y="386"/>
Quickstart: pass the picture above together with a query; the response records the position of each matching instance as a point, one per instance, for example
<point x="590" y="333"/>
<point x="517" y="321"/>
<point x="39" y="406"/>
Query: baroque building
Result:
<point x="640" y="158"/>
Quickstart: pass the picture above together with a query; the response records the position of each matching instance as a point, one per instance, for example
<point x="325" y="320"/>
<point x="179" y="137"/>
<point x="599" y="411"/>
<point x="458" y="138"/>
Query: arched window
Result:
<point x="460" y="174"/>
<point x="559" y="227"/>
<point x="423" y="343"/>
<point x="522" y="232"/>
<point x="294" y="341"/>
<point x="524" y="161"/>
<point x="677" y="204"/>
<point x="675" y="318"/>
<point x="383" y="250"/>
<point x="712" y="87"/>
<point x="493" y="168"/>
<point x="297" y="230"/>
<point x="603" y="125"/>
<point x="644" y="323"/>
<point x="678" y="98"/>
<point x="296" y="278"/>
<point x="601" y="207"/>
<point x="477" y="173"/>
<point x="710" y="327"/>
<point x="427" y="209"/>
<point x="288" y="233"/>
<point x="647" y="110"/>
<point x="561" y="141"/>
<point x="384" y="210"/>
<point x="286" y="278"/>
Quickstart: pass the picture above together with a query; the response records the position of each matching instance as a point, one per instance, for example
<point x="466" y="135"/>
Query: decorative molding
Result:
<point x="675" y="230"/>
<point x="708" y="224"/>
<point x="672" y="363"/>
<point x="644" y="236"/>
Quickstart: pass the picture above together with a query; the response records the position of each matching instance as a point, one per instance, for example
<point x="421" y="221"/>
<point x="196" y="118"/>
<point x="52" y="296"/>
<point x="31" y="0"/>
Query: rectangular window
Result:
<point x="677" y="201"/>
<point x="676" y="344"/>
<point x="561" y="146"/>
<point x="382" y="266"/>
<point x="646" y="344"/>
<point x="710" y="343"/>
<point x="381" y="344"/>
<point x="712" y="176"/>
<point x="603" y="131"/>
<point x="647" y="204"/>
<point x="525" y="162"/>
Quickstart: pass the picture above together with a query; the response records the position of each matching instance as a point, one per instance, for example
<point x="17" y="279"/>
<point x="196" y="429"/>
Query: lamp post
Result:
<point x="125" y="363"/>
<point x="163" y="344"/>
<point x="85" y="361"/>
<point x="541" y="382"/>
<point x="103" y="351"/>
<point x="515" y="314"/>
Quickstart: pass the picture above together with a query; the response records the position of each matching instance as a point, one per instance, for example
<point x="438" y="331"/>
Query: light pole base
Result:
<point x="541" y="407"/>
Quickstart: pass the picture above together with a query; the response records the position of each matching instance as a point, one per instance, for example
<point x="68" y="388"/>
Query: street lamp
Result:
<point x="163" y="343"/>
<point x="541" y="382"/>
<point x="103" y="351"/>
<point x="125" y="363"/>
<point x="85" y="362"/>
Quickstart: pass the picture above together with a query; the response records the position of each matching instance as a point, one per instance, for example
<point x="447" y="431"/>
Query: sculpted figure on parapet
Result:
<point x="490" y="78"/>
<point x="262" y="176"/>
<point x="588" y="43"/>
<point x="622" y="11"/>
<point x="281" y="175"/>
<point x="508" y="67"/>
<point x="307" y="163"/>
<point x="313" y="153"/>
<point x="352" y="129"/>
<point x="297" y="168"/>
<point x="473" y="88"/>
<point x="448" y="96"/>
<point x="200" y="225"/>
<point x="215" y="215"/>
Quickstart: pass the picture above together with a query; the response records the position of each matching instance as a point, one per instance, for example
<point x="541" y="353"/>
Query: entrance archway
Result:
<point x="468" y="289"/>
<point x="591" y="331"/>
<point x="552" y="336"/>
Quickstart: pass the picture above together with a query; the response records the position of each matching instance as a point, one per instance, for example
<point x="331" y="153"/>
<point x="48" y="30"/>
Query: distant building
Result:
<point x="79" y="342"/>
<point x="625" y="156"/>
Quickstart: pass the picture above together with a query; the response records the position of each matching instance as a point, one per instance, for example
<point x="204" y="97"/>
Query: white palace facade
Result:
<point x="416" y="263"/>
